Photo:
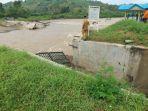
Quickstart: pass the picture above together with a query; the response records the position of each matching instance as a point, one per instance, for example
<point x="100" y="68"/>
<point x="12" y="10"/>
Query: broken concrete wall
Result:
<point x="128" y="61"/>
<point x="141" y="79"/>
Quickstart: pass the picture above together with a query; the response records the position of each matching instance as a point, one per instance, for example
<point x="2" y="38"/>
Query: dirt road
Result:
<point x="55" y="37"/>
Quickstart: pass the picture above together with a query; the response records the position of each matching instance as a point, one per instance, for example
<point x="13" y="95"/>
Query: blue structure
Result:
<point x="132" y="6"/>
<point x="134" y="10"/>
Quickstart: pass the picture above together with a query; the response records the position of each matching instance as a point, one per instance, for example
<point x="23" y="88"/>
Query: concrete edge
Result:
<point x="118" y="44"/>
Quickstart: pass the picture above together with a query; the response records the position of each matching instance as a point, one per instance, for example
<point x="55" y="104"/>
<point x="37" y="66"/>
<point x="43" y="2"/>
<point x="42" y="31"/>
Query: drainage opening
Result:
<point x="58" y="57"/>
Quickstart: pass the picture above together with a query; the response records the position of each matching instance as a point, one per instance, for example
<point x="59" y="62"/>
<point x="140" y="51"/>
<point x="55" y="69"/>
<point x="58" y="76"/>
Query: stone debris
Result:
<point x="25" y="25"/>
<point x="129" y="41"/>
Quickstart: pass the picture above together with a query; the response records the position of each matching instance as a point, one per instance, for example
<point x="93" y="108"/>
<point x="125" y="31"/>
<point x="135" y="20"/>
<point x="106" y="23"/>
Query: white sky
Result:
<point x="124" y="1"/>
<point x="106" y="1"/>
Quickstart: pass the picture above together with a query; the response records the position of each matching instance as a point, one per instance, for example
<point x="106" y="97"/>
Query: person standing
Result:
<point x="85" y="28"/>
<point x="145" y="17"/>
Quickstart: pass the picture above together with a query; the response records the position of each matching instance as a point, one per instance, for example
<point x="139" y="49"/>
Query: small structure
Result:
<point x="134" y="10"/>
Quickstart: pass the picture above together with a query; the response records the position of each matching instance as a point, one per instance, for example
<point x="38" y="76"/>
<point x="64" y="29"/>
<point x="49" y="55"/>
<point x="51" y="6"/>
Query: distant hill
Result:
<point x="54" y="9"/>
<point x="69" y="8"/>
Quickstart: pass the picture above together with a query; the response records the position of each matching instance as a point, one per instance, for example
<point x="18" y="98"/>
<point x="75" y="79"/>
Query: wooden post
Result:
<point x="138" y="15"/>
<point x="125" y="15"/>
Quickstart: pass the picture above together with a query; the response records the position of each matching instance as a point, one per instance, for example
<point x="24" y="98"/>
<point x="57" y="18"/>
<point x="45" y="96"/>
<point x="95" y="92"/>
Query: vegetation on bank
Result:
<point x="121" y="31"/>
<point x="51" y="9"/>
<point x="27" y="83"/>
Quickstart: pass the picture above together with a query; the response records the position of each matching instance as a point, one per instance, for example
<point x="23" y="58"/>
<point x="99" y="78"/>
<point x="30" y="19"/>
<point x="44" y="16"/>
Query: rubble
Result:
<point x="25" y="25"/>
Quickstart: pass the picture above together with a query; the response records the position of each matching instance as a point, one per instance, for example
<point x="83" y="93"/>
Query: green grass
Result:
<point x="121" y="31"/>
<point x="29" y="84"/>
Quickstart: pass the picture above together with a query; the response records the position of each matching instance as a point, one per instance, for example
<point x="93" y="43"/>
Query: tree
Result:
<point x="1" y="10"/>
<point x="17" y="4"/>
<point x="16" y="10"/>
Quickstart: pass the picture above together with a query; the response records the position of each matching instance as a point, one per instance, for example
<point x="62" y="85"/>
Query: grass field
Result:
<point x="29" y="84"/>
<point x="121" y="31"/>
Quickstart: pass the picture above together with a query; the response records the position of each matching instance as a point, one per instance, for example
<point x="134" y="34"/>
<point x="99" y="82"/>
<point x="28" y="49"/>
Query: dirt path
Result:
<point x="55" y="37"/>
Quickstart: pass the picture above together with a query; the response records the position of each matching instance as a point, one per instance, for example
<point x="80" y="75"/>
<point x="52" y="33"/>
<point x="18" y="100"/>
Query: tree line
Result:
<point x="55" y="9"/>
<point x="15" y="10"/>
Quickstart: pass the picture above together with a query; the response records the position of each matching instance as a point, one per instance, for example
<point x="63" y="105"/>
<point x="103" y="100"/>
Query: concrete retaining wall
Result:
<point x="128" y="61"/>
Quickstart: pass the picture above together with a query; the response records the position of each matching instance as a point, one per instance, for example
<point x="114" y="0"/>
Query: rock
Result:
<point x="25" y="25"/>
<point x="128" y="41"/>
<point x="39" y="25"/>
<point x="34" y="25"/>
<point x="29" y="26"/>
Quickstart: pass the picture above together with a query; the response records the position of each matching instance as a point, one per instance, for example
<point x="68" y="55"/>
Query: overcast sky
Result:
<point x="106" y="1"/>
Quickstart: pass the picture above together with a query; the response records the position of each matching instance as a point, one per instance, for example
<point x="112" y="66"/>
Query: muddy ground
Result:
<point x="55" y="37"/>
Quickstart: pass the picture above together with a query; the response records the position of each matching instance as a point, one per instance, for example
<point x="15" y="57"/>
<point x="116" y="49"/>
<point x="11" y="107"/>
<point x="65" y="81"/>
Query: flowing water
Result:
<point x="55" y="37"/>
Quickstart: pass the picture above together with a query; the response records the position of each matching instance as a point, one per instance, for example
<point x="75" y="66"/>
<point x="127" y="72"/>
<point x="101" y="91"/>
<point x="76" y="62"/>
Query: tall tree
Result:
<point x="1" y="10"/>
<point x="16" y="10"/>
<point x="17" y="4"/>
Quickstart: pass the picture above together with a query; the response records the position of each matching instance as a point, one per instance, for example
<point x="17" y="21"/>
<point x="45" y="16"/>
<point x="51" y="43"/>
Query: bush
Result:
<point x="105" y="87"/>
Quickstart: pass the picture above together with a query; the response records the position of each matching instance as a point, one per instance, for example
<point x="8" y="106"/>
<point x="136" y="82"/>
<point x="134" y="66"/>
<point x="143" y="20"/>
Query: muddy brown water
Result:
<point x="55" y="37"/>
<point x="7" y="29"/>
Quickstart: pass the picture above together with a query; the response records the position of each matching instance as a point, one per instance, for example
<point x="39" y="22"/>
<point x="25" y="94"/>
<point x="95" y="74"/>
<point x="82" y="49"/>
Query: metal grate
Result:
<point x="58" y="57"/>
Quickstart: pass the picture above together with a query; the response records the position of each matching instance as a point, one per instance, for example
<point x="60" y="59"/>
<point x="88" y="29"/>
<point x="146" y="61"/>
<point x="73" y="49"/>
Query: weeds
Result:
<point x="106" y="88"/>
